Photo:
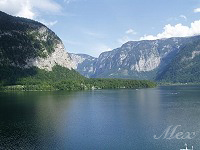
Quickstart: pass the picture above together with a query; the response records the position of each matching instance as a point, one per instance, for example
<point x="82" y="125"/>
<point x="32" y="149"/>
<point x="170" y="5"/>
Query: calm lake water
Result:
<point x="99" y="120"/>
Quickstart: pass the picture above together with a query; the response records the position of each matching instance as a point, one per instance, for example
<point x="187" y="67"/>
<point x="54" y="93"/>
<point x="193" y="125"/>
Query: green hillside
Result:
<point x="60" y="78"/>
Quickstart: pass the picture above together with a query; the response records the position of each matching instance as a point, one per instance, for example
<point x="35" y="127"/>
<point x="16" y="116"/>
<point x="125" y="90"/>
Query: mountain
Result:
<point x="83" y="63"/>
<point x="161" y="60"/>
<point x="32" y="57"/>
<point x="26" y="43"/>
<point x="185" y="67"/>
<point x="30" y="50"/>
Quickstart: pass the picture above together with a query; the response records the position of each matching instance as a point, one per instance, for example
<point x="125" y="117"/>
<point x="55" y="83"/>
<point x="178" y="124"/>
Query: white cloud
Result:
<point x="68" y="1"/>
<point x="177" y="18"/>
<point x="98" y="48"/>
<point x="178" y="30"/>
<point x="197" y="10"/>
<point x="131" y="31"/>
<point x="26" y="11"/>
<point x="104" y="47"/>
<point x="52" y="23"/>
<point x="94" y="34"/>
<point x="124" y="39"/>
<point x="183" y="16"/>
<point x="71" y="42"/>
<point x="128" y="37"/>
<point x="29" y="8"/>
<point x="48" y="23"/>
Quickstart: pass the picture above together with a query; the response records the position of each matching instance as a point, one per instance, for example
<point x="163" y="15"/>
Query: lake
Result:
<point x="100" y="120"/>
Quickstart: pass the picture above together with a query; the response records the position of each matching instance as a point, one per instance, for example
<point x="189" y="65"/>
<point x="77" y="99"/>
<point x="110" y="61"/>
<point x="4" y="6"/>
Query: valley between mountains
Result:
<point x="33" y="57"/>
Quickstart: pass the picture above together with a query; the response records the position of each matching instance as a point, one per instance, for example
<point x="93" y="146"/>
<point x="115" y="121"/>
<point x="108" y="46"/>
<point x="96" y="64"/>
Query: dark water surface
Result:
<point x="103" y="119"/>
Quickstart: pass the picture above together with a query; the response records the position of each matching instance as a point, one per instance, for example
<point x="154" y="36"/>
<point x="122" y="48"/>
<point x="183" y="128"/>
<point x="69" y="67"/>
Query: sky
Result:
<point x="95" y="26"/>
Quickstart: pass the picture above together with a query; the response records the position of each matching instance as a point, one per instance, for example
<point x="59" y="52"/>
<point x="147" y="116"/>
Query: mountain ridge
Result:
<point x="33" y="57"/>
<point x="27" y="43"/>
<point x="146" y="59"/>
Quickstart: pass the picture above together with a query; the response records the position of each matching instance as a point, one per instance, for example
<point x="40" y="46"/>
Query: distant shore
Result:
<point x="174" y="84"/>
<point x="77" y="85"/>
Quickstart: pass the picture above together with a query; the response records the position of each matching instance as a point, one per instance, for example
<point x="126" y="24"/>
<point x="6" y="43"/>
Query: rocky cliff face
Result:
<point x="140" y="59"/>
<point x="135" y="59"/>
<point x="26" y="43"/>
<point x="58" y="56"/>
<point x="185" y="67"/>
<point x="83" y="63"/>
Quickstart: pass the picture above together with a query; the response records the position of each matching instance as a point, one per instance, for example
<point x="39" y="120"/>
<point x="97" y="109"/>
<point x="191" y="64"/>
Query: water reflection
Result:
<point x="104" y="119"/>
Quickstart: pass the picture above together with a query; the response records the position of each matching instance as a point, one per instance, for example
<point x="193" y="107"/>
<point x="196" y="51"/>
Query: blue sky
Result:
<point x="94" y="26"/>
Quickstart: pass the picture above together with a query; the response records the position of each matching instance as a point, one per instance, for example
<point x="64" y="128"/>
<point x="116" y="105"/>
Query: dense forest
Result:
<point x="60" y="78"/>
